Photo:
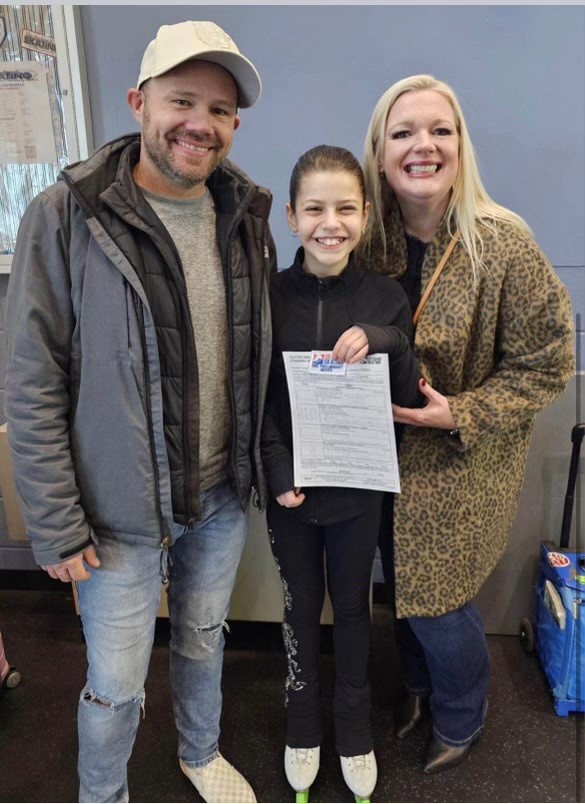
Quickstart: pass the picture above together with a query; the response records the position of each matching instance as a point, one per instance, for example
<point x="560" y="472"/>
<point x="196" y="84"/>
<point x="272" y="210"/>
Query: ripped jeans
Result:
<point x="118" y="608"/>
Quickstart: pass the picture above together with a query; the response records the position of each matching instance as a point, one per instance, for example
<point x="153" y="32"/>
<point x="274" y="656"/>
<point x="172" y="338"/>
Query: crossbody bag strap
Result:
<point x="434" y="277"/>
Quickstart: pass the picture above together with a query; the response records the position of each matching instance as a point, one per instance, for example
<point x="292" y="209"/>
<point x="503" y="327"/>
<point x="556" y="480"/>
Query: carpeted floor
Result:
<point x="526" y="754"/>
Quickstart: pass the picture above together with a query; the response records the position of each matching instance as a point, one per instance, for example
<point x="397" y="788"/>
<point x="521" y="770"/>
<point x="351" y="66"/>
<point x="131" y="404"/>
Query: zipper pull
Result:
<point x="165" y="560"/>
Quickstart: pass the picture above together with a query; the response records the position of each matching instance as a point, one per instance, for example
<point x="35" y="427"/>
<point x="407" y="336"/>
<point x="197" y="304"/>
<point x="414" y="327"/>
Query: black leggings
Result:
<point x="349" y="549"/>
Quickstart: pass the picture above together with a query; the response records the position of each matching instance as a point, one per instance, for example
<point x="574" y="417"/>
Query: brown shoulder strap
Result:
<point x="434" y="277"/>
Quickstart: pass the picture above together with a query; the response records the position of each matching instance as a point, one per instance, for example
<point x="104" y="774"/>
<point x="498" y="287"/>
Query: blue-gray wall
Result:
<point x="519" y="72"/>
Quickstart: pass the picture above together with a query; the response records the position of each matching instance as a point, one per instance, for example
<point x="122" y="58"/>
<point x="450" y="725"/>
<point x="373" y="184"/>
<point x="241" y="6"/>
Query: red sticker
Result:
<point x="558" y="560"/>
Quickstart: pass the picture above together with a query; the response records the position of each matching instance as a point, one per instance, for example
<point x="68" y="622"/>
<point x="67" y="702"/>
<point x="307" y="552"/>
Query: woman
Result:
<point x="495" y="345"/>
<point x="325" y="301"/>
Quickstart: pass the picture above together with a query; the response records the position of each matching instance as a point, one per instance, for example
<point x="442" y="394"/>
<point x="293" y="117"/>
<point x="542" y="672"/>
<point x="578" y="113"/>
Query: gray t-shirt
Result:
<point x="192" y="226"/>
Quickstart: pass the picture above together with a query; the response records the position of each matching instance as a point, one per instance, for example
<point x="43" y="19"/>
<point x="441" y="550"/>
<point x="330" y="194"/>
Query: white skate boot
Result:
<point x="360" y="774"/>
<point x="301" y="766"/>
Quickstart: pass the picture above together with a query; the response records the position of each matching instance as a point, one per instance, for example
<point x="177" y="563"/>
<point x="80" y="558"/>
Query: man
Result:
<point x="139" y="345"/>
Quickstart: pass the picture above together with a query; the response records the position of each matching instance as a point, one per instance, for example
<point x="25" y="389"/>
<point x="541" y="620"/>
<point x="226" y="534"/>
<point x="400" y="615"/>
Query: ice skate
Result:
<point x="360" y="774"/>
<point x="301" y="766"/>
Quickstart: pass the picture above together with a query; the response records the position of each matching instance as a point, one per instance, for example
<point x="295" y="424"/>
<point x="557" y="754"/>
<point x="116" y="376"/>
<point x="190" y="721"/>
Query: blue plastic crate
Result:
<point x="559" y="626"/>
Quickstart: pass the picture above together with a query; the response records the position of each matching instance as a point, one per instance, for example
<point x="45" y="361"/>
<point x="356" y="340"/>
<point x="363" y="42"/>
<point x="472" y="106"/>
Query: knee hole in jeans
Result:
<point x="90" y="698"/>
<point x="198" y="643"/>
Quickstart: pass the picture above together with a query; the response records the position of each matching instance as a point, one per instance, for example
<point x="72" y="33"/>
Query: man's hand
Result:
<point x="436" y="412"/>
<point x="291" y="499"/>
<point x="73" y="569"/>
<point x="352" y="346"/>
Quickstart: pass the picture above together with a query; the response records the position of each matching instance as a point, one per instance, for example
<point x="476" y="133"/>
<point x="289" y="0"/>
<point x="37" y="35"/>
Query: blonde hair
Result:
<point x="470" y="208"/>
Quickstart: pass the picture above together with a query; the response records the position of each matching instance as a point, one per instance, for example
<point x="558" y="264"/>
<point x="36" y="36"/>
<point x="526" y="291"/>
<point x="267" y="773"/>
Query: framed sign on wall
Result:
<point x="44" y="120"/>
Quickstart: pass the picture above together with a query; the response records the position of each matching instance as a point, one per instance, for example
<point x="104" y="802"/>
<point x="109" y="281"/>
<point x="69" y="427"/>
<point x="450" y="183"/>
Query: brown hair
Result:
<point x="323" y="158"/>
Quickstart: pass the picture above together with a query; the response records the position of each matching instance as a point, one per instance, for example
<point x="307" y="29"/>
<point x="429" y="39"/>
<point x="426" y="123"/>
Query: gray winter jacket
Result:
<point x="84" y="398"/>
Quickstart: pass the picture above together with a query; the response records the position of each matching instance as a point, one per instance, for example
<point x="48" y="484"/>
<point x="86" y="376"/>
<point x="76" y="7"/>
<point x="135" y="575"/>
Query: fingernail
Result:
<point x="423" y="382"/>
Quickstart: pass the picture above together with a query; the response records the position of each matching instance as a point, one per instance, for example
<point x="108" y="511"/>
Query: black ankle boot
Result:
<point x="441" y="756"/>
<point x="410" y="713"/>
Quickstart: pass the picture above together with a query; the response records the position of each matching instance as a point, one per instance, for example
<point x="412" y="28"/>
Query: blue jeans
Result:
<point x="118" y="608"/>
<point x="444" y="657"/>
<point x="447" y="658"/>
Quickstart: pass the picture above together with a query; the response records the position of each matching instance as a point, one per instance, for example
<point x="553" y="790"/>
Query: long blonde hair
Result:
<point x="470" y="208"/>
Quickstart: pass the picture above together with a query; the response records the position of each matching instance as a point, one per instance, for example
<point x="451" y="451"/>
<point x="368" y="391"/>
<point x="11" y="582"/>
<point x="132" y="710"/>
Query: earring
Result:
<point x="294" y="233"/>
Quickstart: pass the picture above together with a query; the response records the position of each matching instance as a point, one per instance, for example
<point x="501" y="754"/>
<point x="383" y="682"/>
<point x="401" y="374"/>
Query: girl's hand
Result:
<point x="352" y="346"/>
<point x="436" y="412"/>
<point x="291" y="499"/>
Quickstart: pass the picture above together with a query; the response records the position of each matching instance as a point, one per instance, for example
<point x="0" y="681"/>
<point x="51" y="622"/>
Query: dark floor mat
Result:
<point x="526" y="754"/>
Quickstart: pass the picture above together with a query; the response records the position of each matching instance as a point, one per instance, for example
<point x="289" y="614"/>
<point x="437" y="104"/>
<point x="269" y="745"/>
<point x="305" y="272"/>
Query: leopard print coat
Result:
<point x="500" y="348"/>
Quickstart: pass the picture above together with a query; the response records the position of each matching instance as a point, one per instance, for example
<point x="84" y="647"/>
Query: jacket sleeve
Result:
<point x="404" y="371"/>
<point x="534" y="354"/>
<point x="39" y="329"/>
<point x="277" y="458"/>
<point x="263" y="340"/>
<point x="396" y="341"/>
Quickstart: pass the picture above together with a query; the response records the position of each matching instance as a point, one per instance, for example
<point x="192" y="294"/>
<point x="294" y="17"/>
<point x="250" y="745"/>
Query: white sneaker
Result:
<point x="360" y="774"/>
<point x="219" y="782"/>
<point x="301" y="766"/>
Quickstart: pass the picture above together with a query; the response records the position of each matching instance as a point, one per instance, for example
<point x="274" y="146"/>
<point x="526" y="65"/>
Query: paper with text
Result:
<point x="343" y="434"/>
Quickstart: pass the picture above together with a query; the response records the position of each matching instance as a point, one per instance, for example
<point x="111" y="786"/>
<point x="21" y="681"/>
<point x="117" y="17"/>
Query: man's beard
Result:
<point x="183" y="178"/>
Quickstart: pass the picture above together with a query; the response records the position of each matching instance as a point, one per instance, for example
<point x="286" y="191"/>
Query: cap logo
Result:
<point x="215" y="37"/>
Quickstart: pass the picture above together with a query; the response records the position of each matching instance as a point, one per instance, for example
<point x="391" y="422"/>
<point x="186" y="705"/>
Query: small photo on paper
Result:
<point x="323" y="363"/>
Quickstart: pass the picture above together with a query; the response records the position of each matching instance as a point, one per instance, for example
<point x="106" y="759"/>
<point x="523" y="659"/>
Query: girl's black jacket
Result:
<point x="311" y="313"/>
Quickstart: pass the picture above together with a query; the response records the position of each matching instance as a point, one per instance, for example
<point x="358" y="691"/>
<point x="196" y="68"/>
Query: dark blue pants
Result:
<point x="445" y="657"/>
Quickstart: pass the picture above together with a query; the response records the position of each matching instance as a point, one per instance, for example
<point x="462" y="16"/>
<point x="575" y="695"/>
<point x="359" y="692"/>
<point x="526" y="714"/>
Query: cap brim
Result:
<point x="242" y="70"/>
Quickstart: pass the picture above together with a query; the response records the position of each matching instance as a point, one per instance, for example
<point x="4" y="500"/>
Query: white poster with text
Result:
<point x="26" y="125"/>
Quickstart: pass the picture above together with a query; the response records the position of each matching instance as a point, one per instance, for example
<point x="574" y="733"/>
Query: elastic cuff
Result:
<point x="76" y="550"/>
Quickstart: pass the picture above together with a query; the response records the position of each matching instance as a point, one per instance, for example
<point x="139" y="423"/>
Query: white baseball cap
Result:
<point x="196" y="39"/>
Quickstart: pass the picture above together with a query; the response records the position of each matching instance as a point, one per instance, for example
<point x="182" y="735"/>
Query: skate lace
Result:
<point x="304" y="756"/>
<point x="360" y="763"/>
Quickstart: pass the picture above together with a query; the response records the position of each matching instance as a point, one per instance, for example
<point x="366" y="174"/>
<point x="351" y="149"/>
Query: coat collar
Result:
<point x="396" y="260"/>
<point x="308" y="282"/>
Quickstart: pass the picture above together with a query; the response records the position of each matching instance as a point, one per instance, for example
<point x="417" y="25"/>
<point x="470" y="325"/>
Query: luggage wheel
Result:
<point x="527" y="635"/>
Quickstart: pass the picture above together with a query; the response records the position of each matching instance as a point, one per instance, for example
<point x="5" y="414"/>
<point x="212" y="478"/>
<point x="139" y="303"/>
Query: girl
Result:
<point x="326" y="301"/>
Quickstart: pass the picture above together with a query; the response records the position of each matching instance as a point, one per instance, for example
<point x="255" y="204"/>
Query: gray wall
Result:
<point x="518" y="71"/>
<point x="520" y="75"/>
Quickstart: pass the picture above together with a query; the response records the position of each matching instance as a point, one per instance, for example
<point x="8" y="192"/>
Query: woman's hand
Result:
<point x="352" y="346"/>
<point x="291" y="499"/>
<point x="436" y="412"/>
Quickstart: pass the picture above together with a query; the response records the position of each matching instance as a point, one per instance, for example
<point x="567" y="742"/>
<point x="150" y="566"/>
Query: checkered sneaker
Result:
<point x="219" y="782"/>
